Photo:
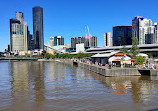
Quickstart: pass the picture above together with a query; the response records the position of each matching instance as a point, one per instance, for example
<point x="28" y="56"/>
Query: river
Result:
<point x="53" y="86"/>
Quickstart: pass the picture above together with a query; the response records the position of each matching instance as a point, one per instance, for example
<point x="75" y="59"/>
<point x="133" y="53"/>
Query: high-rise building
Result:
<point x="93" y="41"/>
<point x="30" y="41"/>
<point x="38" y="27"/>
<point x="79" y="40"/>
<point x="155" y="33"/>
<point x="122" y="35"/>
<point x="88" y="42"/>
<point x="74" y="41"/>
<point x="56" y="41"/>
<point x="18" y="34"/>
<point x="143" y="30"/>
<point x="107" y="39"/>
<point x="20" y="16"/>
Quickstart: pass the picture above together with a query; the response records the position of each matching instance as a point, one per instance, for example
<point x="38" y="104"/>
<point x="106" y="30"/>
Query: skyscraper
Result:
<point x="38" y="27"/>
<point x="93" y="41"/>
<point x="143" y="30"/>
<point x="18" y="34"/>
<point x="20" y="16"/>
<point x="122" y="35"/>
<point x="107" y="39"/>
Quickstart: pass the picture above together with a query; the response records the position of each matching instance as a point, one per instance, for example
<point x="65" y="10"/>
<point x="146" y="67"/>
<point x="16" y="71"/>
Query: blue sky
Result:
<point x="69" y="17"/>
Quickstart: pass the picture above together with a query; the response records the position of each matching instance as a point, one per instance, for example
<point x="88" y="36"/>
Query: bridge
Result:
<point x="53" y="49"/>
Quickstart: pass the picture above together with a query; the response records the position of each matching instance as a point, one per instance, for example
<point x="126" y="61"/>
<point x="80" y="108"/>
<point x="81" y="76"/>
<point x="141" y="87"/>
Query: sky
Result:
<point x="69" y="17"/>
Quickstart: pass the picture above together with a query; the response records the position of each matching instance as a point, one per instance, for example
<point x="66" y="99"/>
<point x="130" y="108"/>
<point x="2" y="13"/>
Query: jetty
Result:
<point x="110" y="72"/>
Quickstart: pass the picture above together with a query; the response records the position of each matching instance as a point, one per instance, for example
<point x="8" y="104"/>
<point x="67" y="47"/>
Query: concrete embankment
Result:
<point x="110" y="72"/>
<point x="104" y="71"/>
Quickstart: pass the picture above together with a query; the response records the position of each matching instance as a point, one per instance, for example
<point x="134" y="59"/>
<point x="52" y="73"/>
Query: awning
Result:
<point x="131" y="59"/>
<point x="117" y="59"/>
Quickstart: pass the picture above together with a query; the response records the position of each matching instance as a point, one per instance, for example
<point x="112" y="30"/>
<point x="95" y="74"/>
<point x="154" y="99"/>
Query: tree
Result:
<point x="124" y="49"/>
<point x="134" y="50"/>
<point x="139" y="60"/>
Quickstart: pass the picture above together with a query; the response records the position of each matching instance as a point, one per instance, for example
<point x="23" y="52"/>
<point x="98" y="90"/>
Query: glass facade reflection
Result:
<point x="38" y="27"/>
<point x="122" y="35"/>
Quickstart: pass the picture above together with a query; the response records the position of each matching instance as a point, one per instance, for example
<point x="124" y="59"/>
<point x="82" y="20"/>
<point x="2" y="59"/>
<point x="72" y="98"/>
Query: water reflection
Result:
<point x="37" y="80"/>
<point x="55" y="86"/>
<point x="142" y="88"/>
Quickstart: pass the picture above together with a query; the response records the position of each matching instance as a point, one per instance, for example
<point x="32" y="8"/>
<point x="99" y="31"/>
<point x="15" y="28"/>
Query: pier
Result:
<point x="102" y="70"/>
<point x="110" y="72"/>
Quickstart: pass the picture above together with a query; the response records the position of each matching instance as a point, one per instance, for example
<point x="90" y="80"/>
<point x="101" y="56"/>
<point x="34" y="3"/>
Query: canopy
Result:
<point x="132" y="59"/>
<point x="117" y="59"/>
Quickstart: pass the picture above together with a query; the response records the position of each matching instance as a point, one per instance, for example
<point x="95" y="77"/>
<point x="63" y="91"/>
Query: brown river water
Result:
<point x="52" y="86"/>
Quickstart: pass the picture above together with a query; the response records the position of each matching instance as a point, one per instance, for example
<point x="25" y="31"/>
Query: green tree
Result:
<point x="139" y="60"/>
<point x="57" y="55"/>
<point x="47" y="55"/>
<point x="124" y="49"/>
<point x="134" y="50"/>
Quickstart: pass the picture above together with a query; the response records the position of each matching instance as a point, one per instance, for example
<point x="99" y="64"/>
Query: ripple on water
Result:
<point x="45" y="86"/>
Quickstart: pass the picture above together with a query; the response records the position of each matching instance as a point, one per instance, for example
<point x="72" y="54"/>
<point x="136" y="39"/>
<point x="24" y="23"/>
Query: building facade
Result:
<point x="74" y="41"/>
<point x="18" y="34"/>
<point x="107" y="39"/>
<point x="88" y="42"/>
<point x="56" y="41"/>
<point x="93" y="41"/>
<point x="155" y="33"/>
<point x="122" y="35"/>
<point x="144" y="30"/>
<point x="30" y="42"/>
<point x="38" y="27"/>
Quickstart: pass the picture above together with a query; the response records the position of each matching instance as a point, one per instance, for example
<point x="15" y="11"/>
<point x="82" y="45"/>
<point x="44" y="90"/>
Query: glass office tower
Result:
<point x="38" y="27"/>
<point x="122" y="35"/>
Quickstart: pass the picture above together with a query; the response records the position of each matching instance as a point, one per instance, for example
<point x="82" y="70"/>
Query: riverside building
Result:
<point x="56" y="41"/>
<point x="79" y="40"/>
<point x="107" y="39"/>
<point x="38" y="27"/>
<point x="144" y="30"/>
<point x="122" y="35"/>
<point x="88" y="42"/>
<point x="18" y="34"/>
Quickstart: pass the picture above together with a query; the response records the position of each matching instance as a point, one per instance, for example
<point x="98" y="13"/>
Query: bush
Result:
<point x="139" y="60"/>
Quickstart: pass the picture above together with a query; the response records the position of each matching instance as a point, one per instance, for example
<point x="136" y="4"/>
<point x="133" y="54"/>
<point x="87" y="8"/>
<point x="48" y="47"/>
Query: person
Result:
<point x="113" y="64"/>
<point x="144" y="66"/>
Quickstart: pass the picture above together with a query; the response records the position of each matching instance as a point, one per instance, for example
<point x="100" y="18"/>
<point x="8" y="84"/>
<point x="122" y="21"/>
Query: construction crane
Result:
<point x="89" y="35"/>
